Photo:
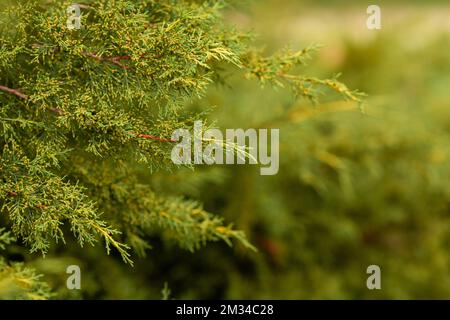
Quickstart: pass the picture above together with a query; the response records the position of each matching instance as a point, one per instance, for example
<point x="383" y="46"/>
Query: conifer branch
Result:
<point x="63" y="174"/>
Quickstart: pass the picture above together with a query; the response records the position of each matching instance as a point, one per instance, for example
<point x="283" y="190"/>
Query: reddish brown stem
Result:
<point x="56" y="110"/>
<point x="113" y="60"/>
<point x="21" y="95"/>
<point x="118" y="58"/>
<point x="152" y="137"/>
<point x="16" y="92"/>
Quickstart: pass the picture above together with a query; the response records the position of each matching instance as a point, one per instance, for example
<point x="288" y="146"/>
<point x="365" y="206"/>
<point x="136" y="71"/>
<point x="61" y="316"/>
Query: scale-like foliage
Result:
<point x="84" y="111"/>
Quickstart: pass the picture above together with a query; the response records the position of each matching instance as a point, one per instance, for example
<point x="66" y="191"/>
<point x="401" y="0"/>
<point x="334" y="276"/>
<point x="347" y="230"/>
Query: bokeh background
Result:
<point x="354" y="188"/>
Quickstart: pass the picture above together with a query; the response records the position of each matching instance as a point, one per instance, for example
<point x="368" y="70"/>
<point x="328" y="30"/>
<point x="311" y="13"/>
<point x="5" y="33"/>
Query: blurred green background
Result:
<point x="353" y="189"/>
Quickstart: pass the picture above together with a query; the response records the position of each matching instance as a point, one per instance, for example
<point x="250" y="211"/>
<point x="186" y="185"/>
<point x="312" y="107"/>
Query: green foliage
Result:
<point x="86" y="118"/>
<point x="276" y="70"/>
<point x="17" y="281"/>
<point x="5" y="238"/>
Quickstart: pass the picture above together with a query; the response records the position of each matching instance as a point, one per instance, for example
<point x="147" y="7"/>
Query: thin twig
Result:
<point x="113" y="60"/>
<point x="21" y="95"/>
<point x="16" y="92"/>
<point x="152" y="137"/>
<point x="56" y="110"/>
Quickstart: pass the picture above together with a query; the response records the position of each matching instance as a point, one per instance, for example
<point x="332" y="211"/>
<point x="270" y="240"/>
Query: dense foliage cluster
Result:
<point x="85" y="120"/>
